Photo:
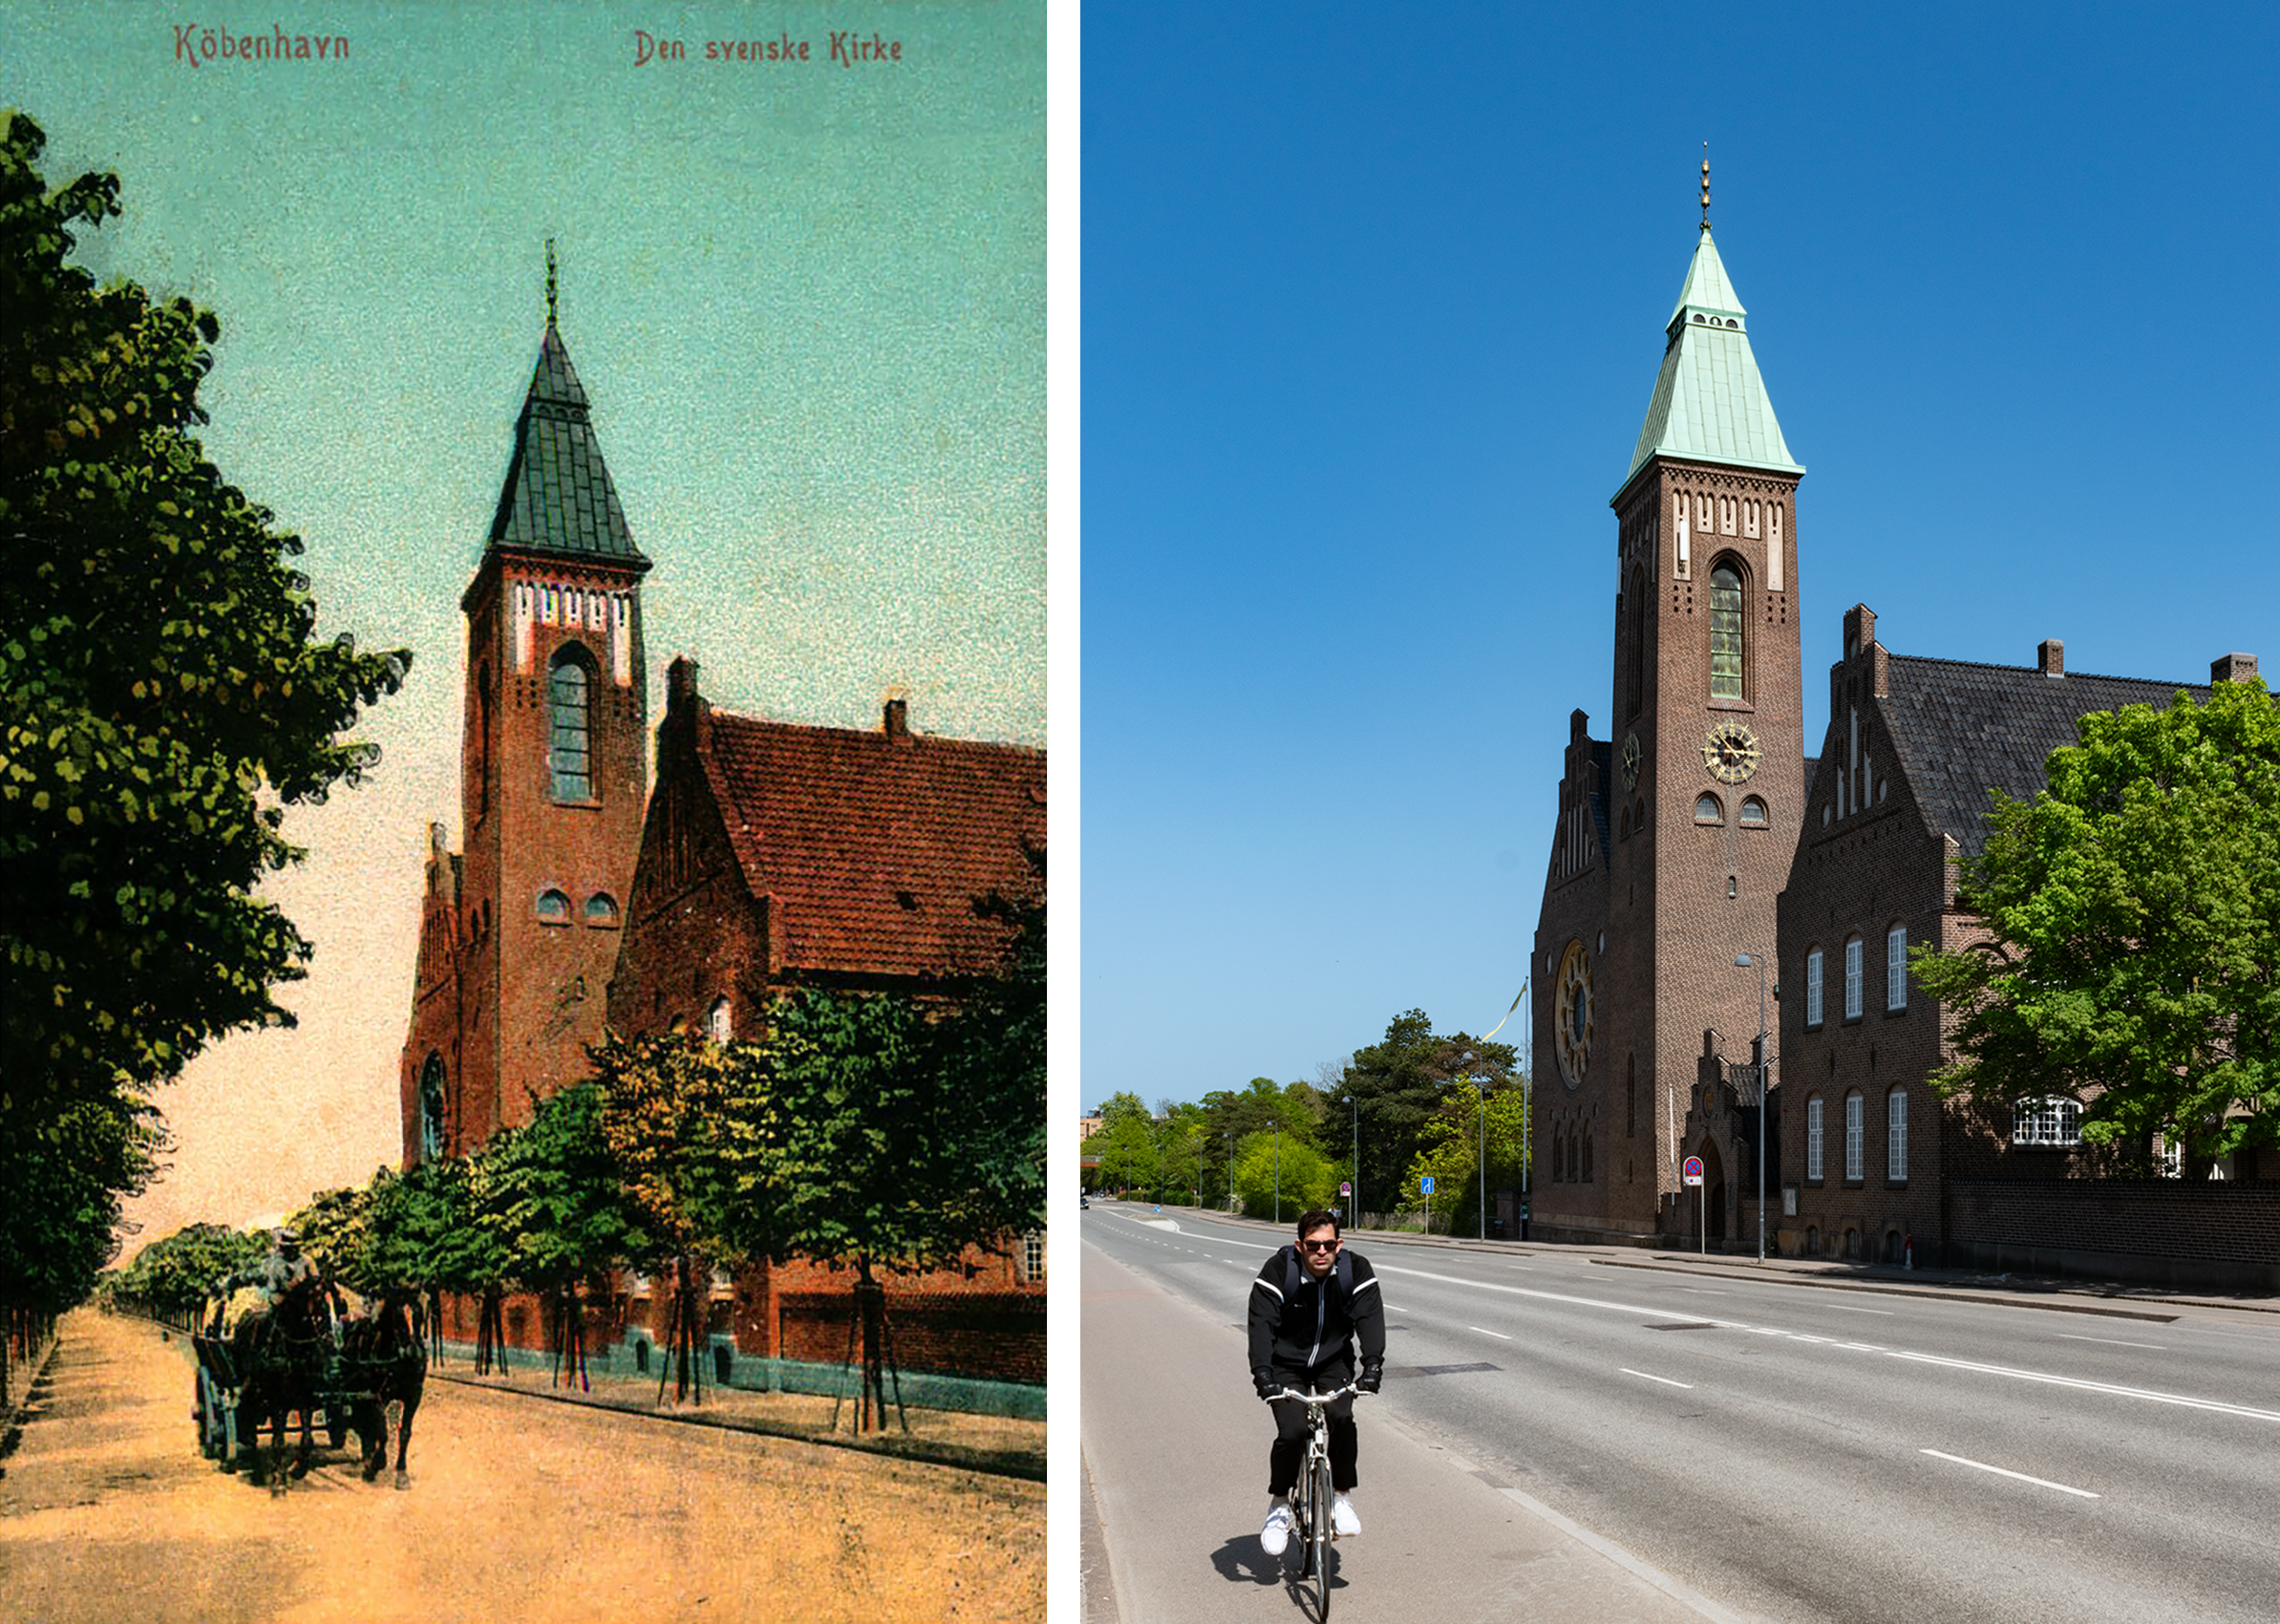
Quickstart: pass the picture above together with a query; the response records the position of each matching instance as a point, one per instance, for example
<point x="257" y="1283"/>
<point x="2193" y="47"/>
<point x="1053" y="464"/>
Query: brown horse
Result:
<point x="281" y="1359"/>
<point x="384" y="1351"/>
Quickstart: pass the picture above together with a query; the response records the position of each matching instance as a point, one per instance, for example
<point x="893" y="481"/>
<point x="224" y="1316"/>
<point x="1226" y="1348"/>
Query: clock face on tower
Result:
<point x="1631" y="755"/>
<point x="1571" y="1014"/>
<point x="1729" y="753"/>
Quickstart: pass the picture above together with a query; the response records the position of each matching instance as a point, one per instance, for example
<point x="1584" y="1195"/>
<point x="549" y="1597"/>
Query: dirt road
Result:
<point x="518" y="1509"/>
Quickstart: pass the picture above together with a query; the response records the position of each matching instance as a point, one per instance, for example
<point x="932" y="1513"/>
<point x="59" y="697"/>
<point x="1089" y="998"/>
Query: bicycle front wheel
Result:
<point x="1318" y="1539"/>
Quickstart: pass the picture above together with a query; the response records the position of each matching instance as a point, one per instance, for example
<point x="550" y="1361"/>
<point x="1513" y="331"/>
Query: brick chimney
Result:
<point x="898" y="719"/>
<point x="2231" y="667"/>
<point x="2050" y="657"/>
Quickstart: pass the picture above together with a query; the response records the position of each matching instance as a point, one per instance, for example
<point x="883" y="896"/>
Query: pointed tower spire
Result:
<point x="559" y="496"/>
<point x="1709" y="402"/>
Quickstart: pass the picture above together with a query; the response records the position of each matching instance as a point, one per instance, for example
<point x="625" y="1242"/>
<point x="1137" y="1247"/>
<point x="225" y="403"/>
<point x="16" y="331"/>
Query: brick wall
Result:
<point x="2173" y="1230"/>
<point x="992" y="1335"/>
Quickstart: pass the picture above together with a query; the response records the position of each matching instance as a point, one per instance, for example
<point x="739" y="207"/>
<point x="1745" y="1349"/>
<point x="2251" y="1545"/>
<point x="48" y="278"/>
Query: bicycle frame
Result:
<point x="1312" y="1494"/>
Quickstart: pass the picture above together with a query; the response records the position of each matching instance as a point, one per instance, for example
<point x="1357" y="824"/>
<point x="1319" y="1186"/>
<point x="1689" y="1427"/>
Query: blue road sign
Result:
<point x="1426" y="1185"/>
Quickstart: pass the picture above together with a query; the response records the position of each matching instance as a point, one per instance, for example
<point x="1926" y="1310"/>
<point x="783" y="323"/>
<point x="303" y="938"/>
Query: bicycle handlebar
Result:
<point x="1329" y="1398"/>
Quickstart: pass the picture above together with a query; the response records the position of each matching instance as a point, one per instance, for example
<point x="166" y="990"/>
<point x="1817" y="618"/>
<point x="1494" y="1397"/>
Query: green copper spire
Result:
<point x="1709" y="402"/>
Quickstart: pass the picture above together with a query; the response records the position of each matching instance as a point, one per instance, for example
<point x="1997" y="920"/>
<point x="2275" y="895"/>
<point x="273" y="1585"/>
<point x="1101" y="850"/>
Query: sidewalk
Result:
<point x="2014" y="1290"/>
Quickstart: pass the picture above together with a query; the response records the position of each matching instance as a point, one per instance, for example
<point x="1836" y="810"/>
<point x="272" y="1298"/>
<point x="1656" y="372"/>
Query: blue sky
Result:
<point x="807" y="301"/>
<point x="1373" y="304"/>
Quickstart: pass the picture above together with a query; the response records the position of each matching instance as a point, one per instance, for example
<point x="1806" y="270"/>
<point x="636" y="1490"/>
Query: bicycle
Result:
<point x="1310" y="1496"/>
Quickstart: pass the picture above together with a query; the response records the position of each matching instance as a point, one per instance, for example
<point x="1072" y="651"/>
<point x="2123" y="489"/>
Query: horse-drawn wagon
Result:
<point x="294" y="1353"/>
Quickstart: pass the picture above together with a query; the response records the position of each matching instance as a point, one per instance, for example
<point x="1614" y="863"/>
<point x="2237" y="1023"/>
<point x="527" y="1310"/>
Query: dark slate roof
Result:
<point x="559" y="496"/>
<point x="877" y="847"/>
<point x="1962" y="729"/>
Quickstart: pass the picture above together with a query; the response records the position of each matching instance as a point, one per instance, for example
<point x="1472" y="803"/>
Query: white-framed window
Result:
<point x="721" y="1023"/>
<point x="2169" y="1158"/>
<point x="1856" y="1135"/>
<point x="1852" y="979"/>
<point x="1813" y="988"/>
<point x="1896" y="1134"/>
<point x="1813" y="1138"/>
<point x="1032" y="1257"/>
<point x="2052" y="1119"/>
<point x="1896" y="968"/>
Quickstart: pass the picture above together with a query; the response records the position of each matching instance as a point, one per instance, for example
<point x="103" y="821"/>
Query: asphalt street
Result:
<point x="1786" y="1453"/>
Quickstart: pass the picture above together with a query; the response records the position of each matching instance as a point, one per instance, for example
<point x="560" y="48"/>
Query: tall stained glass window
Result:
<point x="1725" y="634"/>
<point x="567" y="752"/>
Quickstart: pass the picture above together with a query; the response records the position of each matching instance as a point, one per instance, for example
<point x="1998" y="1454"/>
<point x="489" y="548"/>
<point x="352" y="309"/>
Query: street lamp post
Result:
<point x="1278" y="1172"/>
<point x="1742" y="961"/>
<point x="1482" y="1084"/>
<point x="1354" y="1201"/>
<point x="1230" y="1138"/>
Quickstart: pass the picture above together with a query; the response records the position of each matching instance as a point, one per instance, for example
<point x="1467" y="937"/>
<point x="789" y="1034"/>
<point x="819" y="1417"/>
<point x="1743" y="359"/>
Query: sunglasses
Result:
<point x="1318" y="1246"/>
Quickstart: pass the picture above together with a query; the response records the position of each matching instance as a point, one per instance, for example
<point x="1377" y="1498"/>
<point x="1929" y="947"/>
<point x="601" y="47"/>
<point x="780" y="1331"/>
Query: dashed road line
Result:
<point x="1485" y="1332"/>
<point x="2006" y="1472"/>
<point x="1664" y="1379"/>
<point x="2114" y="1342"/>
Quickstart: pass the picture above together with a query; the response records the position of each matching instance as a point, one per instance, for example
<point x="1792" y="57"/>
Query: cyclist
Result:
<point x="1307" y="1305"/>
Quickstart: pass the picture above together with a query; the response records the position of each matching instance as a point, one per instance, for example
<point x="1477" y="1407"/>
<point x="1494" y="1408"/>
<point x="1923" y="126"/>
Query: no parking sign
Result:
<point x="1694" y="1169"/>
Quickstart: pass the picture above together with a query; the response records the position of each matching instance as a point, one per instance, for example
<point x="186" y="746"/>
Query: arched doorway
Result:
<point x="1714" y="1181"/>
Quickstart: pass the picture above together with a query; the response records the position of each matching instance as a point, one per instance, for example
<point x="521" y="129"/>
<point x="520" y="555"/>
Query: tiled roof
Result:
<point x="876" y="846"/>
<point x="558" y="496"/>
<point x="1709" y="402"/>
<point x="1962" y="729"/>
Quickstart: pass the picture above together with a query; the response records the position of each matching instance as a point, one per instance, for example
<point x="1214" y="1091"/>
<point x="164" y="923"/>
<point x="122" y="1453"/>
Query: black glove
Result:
<point x="1266" y="1384"/>
<point x="1372" y="1378"/>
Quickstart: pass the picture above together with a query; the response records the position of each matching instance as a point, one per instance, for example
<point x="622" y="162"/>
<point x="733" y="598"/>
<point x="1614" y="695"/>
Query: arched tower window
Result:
<point x="568" y="754"/>
<point x="721" y="1023"/>
<point x="430" y="1108"/>
<point x="1725" y="632"/>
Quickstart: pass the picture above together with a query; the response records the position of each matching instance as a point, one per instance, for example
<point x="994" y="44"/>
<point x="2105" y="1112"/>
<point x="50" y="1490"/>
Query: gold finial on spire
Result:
<point x="550" y="278"/>
<point x="1705" y="186"/>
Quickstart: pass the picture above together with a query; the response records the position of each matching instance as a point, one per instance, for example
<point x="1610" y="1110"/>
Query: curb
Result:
<point x="1788" y="1279"/>
<point x="993" y="1462"/>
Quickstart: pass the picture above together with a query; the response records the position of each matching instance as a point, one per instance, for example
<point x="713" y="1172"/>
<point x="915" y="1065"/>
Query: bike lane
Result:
<point x="1175" y="1449"/>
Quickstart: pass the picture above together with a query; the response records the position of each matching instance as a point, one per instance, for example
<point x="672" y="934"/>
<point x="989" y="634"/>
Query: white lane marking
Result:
<point x="2212" y="1404"/>
<point x="1664" y="1379"/>
<point x="2221" y="1408"/>
<point x="2111" y="1341"/>
<point x="1498" y="1335"/>
<point x="1705" y="1292"/>
<point x="1392" y="1309"/>
<point x="2003" y="1472"/>
<point x="1844" y="1308"/>
<point x="1861" y="1347"/>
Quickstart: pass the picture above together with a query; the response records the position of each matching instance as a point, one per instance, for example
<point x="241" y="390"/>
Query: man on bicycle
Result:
<point x="1307" y="1303"/>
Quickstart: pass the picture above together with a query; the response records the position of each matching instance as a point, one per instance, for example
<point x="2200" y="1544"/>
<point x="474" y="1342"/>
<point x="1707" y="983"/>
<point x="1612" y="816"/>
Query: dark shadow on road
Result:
<point x="1241" y="1562"/>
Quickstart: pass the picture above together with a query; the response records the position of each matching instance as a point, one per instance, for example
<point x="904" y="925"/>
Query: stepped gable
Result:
<point x="876" y="845"/>
<point x="1962" y="729"/>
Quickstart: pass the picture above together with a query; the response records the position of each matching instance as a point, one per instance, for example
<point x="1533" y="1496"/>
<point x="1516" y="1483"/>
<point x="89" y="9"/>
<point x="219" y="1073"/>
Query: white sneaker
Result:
<point x="1276" y="1534"/>
<point x="1342" y="1521"/>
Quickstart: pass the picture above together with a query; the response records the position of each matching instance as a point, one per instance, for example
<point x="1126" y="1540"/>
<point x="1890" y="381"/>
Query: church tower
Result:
<point x="1675" y="833"/>
<point x="521" y="933"/>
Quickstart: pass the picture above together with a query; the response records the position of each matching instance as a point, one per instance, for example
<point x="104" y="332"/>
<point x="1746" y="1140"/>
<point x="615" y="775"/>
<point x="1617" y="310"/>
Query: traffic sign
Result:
<point x="1345" y="1187"/>
<point x="1426" y="1185"/>
<point x="1694" y="1169"/>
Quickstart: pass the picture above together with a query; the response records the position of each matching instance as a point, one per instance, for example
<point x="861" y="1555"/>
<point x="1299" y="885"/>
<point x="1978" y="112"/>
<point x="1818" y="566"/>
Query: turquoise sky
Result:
<point x="808" y="303"/>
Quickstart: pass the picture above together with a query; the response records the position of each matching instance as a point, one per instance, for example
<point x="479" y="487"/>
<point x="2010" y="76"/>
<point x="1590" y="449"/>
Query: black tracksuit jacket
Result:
<point x="1304" y="1324"/>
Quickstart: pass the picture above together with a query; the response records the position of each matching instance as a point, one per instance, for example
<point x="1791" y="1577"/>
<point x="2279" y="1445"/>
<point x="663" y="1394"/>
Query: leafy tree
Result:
<point x="1449" y="1150"/>
<point x="691" y="1128"/>
<point x="989" y="1058"/>
<point x="163" y="693"/>
<point x="567" y="1218"/>
<point x="1401" y="1084"/>
<point x="1284" y="1174"/>
<point x="2132" y="916"/>
<point x="335" y="1231"/>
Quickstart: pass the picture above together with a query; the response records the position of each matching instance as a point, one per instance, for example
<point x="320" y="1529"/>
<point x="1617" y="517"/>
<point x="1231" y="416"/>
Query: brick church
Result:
<point x="1698" y="849"/>
<point x="770" y="854"/>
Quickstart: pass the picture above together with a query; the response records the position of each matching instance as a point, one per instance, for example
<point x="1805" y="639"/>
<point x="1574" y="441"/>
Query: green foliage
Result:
<point x="61" y="1176"/>
<point x="2133" y="918"/>
<point x="691" y="1128"/>
<point x="562" y="1213"/>
<point x="1449" y="1150"/>
<point x="163" y="698"/>
<point x="1403" y="1083"/>
<point x="1304" y="1176"/>
<point x="173" y="1276"/>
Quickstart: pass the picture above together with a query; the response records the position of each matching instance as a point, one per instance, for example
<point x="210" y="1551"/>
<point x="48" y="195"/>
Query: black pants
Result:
<point x="1290" y="1425"/>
